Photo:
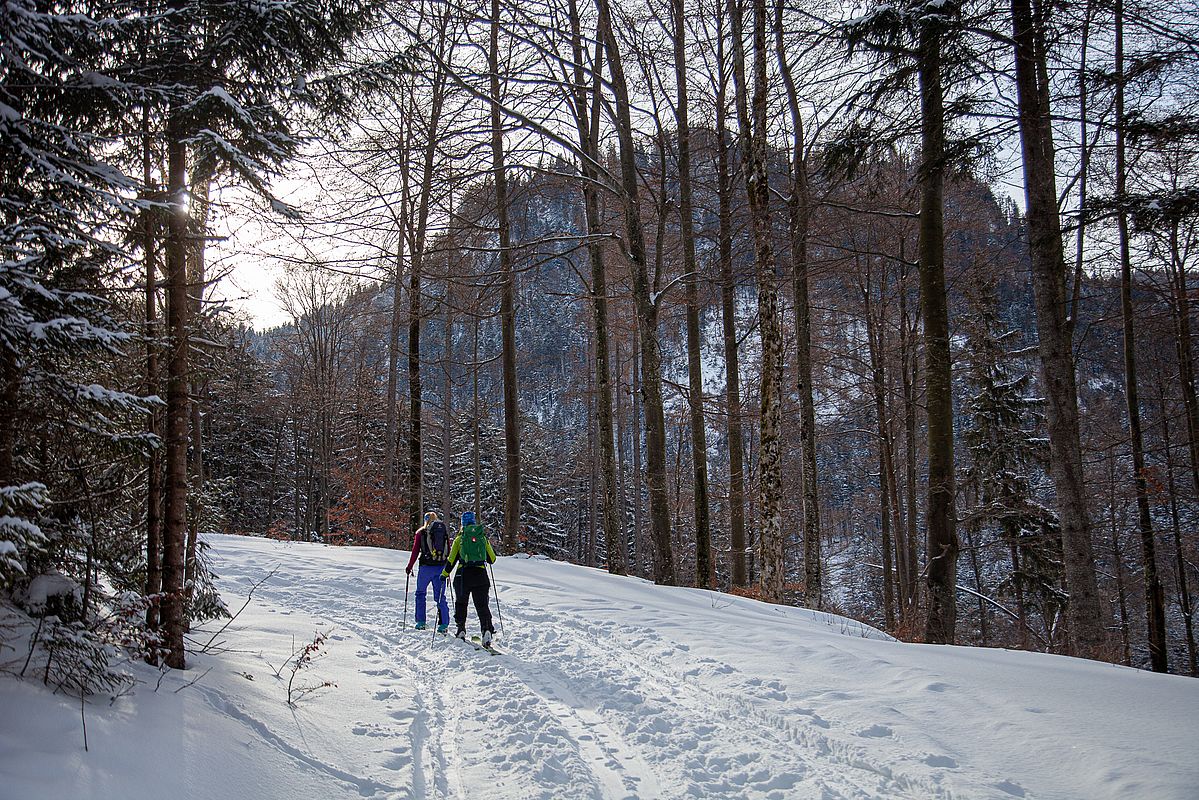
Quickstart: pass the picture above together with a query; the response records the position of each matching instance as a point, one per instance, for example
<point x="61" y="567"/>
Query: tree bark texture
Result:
<point x="391" y="435"/>
<point x="587" y="121"/>
<point x="771" y="555"/>
<point x="647" y="314"/>
<point x="1054" y="340"/>
<point x="704" y="573"/>
<point x="175" y="527"/>
<point x="416" y="475"/>
<point x="150" y="387"/>
<point x="507" y="301"/>
<point x="874" y="337"/>
<point x="799" y="211"/>
<point x="1155" y="606"/>
<point x="942" y="517"/>
<point x="728" y="304"/>
<point x="197" y="280"/>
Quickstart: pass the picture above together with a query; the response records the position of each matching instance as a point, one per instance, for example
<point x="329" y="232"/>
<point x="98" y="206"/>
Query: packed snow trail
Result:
<point x="614" y="688"/>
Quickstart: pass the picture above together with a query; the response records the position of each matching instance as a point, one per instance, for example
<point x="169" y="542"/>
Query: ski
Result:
<point x="474" y="642"/>
<point x="490" y="648"/>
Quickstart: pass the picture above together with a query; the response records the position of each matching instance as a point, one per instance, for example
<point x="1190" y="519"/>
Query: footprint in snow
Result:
<point x="876" y="732"/>
<point x="1014" y="789"/>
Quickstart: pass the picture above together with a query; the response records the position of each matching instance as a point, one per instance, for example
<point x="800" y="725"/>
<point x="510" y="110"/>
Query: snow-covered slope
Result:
<point x="610" y="688"/>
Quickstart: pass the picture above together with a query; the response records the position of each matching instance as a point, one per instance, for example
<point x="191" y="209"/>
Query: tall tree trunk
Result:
<point x="799" y="208"/>
<point x="10" y="392"/>
<point x="896" y="504"/>
<point x="1018" y="585"/>
<point x="1117" y="556"/>
<point x="587" y="554"/>
<point x="150" y="387"/>
<point x="622" y="480"/>
<point x="391" y="435"/>
<point x="507" y="300"/>
<point x="1053" y="336"/>
<point x="1084" y="170"/>
<point x="198" y="280"/>
<point x="704" y="573"/>
<point x="879" y="382"/>
<point x="478" y="468"/>
<point x="447" y="415"/>
<point x="942" y="518"/>
<point x="296" y="472"/>
<point x="175" y="528"/>
<point x="972" y="545"/>
<point x="416" y="472"/>
<point x="728" y="302"/>
<point x="587" y="123"/>
<point x="416" y="482"/>
<point x="910" y="367"/>
<point x="772" y="559"/>
<point x="1180" y="565"/>
<point x="639" y="537"/>
<point x="1181" y="308"/>
<point x="1155" y="606"/>
<point x="647" y="312"/>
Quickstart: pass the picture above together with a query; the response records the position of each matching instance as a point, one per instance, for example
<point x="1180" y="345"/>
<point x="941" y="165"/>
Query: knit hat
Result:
<point x="468" y="518"/>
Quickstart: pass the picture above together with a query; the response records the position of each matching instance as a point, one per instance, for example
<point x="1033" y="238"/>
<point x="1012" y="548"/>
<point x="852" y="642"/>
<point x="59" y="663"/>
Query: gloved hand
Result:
<point x="408" y="570"/>
<point x="445" y="575"/>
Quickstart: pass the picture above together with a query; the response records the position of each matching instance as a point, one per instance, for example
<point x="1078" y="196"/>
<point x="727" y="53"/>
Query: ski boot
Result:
<point x="442" y="628"/>
<point x="420" y="626"/>
<point x="487" y="638"/>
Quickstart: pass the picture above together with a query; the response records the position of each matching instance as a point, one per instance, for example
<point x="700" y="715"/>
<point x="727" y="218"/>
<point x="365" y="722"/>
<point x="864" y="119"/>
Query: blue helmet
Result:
<point x="468" y="518"/>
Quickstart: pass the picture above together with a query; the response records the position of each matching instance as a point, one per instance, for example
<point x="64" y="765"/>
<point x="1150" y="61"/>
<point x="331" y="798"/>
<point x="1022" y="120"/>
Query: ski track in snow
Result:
<point x="578" y="709"/>
<point x="609" y="689"/>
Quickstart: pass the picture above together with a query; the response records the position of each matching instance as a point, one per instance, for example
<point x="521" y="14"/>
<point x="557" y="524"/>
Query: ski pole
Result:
<point x="437" y="599"/>
<point x="407" y="578"/>
<point x="496" y="591"/>
<point x="449" y="586"/>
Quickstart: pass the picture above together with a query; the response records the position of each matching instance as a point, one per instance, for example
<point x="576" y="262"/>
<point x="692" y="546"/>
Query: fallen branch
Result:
<point x="193" y="681"/>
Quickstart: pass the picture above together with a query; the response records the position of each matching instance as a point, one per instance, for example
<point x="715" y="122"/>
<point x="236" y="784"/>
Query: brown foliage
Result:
<point x="366" y="513"/>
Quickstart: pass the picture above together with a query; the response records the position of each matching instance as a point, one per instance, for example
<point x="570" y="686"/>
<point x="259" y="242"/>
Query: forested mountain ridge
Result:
<point x="988" y="279"/>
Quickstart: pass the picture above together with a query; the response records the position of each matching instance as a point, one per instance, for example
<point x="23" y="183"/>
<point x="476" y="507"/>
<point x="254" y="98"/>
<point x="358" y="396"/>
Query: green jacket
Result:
<point x="456" y="551"/>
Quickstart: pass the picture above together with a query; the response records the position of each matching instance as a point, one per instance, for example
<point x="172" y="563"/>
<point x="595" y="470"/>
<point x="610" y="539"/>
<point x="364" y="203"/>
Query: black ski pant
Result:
<point x="472" y="582"/>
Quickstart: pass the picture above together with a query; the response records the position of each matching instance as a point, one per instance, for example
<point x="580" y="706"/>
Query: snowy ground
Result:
<point x="610" y="688"/>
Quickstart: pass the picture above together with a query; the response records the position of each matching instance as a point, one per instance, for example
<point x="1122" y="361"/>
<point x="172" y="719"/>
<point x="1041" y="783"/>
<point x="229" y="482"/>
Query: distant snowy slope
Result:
<point x="609" y="688"/>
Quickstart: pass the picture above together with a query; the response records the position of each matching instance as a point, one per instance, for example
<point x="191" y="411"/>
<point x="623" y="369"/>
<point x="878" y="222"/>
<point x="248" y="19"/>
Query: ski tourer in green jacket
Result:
<point x="472" y="550"/>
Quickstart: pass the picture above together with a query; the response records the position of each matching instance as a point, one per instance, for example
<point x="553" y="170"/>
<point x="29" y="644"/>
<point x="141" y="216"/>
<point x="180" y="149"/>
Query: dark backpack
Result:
<point x="434" y="544"/>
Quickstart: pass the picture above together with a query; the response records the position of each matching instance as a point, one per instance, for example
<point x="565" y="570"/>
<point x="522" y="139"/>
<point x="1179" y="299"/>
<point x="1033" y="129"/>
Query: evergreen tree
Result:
<point x="70" y="439"/>
<point x="1006" y="450"/>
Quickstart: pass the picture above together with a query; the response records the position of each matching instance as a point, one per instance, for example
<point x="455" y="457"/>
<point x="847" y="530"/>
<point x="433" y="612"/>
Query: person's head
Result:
<point x="468" y="518"/>
<point x="430" y="518"/>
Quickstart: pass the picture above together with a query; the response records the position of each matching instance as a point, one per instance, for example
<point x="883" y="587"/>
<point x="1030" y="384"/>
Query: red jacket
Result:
<point x="415" y="549"/>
